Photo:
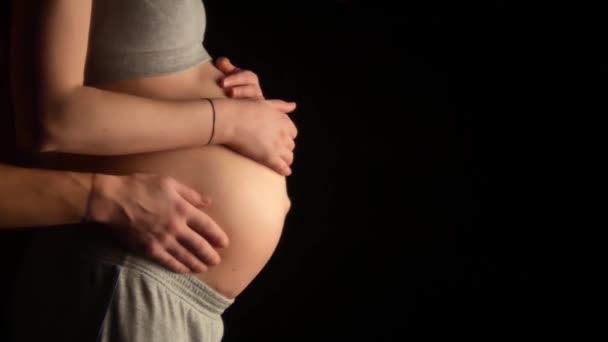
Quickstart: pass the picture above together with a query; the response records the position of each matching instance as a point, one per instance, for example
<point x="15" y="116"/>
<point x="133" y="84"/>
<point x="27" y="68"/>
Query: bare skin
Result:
<point x="139" y="207"/>
<point x="156" y="125"/>
<point x="250" y="201"/>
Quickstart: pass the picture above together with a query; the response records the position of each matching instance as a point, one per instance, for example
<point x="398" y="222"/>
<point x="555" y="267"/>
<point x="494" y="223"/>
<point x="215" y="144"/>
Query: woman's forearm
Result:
<point x="99" y="122"/>
<point x="34" y="197"/>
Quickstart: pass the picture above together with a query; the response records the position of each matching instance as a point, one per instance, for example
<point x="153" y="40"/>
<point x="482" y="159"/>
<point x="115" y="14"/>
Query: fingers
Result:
<point x="242" y="84"/>
<point x="280" y="166"/>
<point x="226" y="66"/>
<point x="199" y="247"/>
<point x="192" y="242"/>
<point x="285" y="107"/>
<point x="192" y="196"/>
<point x="290" y="144"/>
<point x="240" y="77"/>
<point x="183" y="255"/>
<point x="208" y="229"/>
<point x="287" y="157"/>
<point x="245" y="91"/>
<point x="156" y="252"/>
<point x="184" y="248"/>
<point x="293" y="130"/>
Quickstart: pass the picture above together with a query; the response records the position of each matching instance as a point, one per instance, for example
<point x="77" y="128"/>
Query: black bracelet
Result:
<point x="213" y="126"/>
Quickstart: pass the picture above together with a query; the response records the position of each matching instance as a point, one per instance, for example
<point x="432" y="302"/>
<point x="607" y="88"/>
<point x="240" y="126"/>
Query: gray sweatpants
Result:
<point x="77" y="285"/>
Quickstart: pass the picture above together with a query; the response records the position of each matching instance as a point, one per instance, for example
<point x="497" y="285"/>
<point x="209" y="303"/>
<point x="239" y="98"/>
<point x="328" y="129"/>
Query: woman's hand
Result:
<point x="261" y="130"/>
<point x="238" y="83"/>
<point x="159" y="217"/>
<point x="258" y="129"/>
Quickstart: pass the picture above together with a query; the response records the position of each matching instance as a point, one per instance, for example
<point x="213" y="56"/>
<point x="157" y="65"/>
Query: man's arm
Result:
<point x="147" y="212"/>
<point x="56" y="197"/>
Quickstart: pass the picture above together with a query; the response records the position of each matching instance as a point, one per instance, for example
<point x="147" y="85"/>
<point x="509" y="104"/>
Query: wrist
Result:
<point x="224" y="120"/>
<point x="103" y="206"/>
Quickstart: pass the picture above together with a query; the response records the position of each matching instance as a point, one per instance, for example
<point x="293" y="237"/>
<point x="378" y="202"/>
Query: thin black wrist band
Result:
<point x="213" y="126"/>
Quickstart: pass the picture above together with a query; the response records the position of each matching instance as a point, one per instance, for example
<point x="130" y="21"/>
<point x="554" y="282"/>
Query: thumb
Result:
<point x="224" y="64"/>
<point x="286" y="107"/>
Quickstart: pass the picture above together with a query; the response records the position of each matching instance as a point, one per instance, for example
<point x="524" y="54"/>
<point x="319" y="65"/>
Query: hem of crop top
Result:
<point x="112" y="67"/>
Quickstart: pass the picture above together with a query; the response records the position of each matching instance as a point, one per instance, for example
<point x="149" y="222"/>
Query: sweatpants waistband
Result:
<point x="188" y="287"/>
<point x="93" y="243"/>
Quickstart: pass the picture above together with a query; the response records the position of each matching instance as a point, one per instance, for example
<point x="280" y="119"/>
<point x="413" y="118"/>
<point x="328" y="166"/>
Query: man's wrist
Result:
<point x="103" y="205"/>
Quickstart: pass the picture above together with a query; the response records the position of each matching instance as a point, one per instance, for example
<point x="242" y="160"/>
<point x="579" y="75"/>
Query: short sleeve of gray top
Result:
<point x="139" y="38"/>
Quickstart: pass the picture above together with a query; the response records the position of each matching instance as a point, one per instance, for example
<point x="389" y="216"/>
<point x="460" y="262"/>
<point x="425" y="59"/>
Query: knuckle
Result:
<point x="151" y="248"/>
<point x="278" y="143"/>
<point x="166" y="182"/>
<point x="173" y="228"/>
<point x="269" y="158"/>
<point x="276" y="163"/>
<point x="284" y="133"/>
<point x="181" y="208"/>
<point x="164" y="238"/>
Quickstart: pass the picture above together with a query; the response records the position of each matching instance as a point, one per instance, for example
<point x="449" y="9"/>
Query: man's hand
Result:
<point x="159" y="217"/>
<point x="238" y="83"/>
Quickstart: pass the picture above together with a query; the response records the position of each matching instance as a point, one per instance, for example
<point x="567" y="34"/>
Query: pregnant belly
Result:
<point x="250" y="201"/>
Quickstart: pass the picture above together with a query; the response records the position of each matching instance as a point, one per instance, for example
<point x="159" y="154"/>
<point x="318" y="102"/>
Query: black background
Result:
<point x="403" y="219"/>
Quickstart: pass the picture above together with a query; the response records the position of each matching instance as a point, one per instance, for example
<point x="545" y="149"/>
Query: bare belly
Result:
<point x="250" y="201"/>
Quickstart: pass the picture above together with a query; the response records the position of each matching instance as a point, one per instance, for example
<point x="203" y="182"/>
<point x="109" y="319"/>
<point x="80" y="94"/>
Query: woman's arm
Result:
<point x="143" y="209"/>
<point x="49" y="46"/>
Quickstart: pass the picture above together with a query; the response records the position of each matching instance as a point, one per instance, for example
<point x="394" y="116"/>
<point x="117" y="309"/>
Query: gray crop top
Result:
<point x="137" y="38"/>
